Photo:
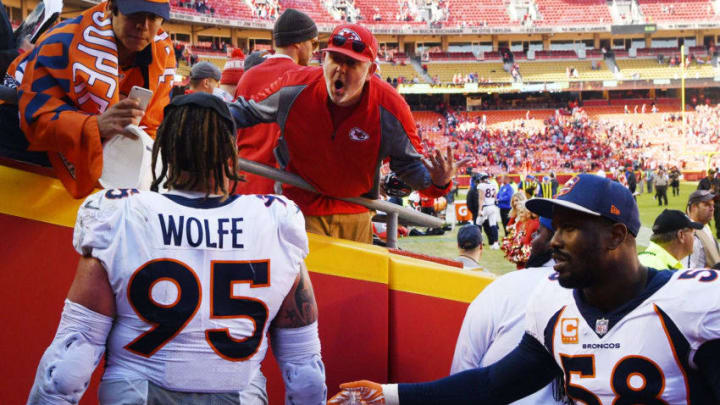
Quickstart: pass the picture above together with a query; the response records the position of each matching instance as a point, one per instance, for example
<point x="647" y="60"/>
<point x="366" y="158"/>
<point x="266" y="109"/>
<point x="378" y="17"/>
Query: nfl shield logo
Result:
<point x="601" y="326"/>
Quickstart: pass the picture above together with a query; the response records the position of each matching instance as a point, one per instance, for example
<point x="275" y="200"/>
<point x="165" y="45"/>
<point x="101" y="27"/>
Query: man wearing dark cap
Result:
<point x="69" y="107"/>
<point x="608" y="328"/>
<point x="204" y="77"/>
<point x="295" y="38"/>
<point x="338" y="124"/>
<point x="706" y="252"/>
<point x="671" y="241"/>
<point x="469" y="240"/>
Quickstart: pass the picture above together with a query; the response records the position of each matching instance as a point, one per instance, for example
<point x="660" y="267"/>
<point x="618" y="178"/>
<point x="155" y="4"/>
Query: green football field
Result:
<point x="493" y="260"/>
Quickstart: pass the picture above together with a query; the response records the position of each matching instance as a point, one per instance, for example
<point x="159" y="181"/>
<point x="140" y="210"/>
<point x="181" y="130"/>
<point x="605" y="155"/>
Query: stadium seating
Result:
<point x="555" y="71"/>
<point x="397" y="71"/>
<point x="314" y="8"/>
<point x="486" y="70"/>
<point x="677" y="10"/>
<point x="650" y="69"/>
<point x="491" y="13"/>
<point x="572" y="12"/>
<point x="388" y="12"/>
<point x="556" y="54"/>
<point x="440" y="56"/>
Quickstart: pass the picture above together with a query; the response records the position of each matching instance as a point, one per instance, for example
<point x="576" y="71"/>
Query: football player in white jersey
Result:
<point x="617" y="332"/>
<point x="181" y="289"/>
<point x="494" y="324"/>
<point x="489" y="211"/>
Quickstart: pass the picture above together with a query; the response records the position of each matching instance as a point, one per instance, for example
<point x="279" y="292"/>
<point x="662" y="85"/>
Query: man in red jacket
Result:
<point x="338" y="124"/>
<point x="295" y="35"/>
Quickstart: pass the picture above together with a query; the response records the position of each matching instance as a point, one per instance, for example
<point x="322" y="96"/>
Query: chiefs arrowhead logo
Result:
<point x="357" y="134"/>
<point x="349" y="34"/>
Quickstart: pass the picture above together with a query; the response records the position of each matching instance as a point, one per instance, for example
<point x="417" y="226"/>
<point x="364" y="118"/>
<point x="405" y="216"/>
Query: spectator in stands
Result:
<point x="706" y="252"/>
<point x="671" y="241"/>
<point x="469" y="241"/>
<point x="339" y="121"/>
<point x="204" y="78"/>
<point x="295" y="37"/>
<point x="69" y="110"/>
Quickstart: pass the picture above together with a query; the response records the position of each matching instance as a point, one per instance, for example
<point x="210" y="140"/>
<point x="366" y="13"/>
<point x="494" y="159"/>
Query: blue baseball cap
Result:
<point x="593" y="195"/>
<point x="547" y="223"/>
<point x="469" y="237"/>
<point x="160" y="8"/>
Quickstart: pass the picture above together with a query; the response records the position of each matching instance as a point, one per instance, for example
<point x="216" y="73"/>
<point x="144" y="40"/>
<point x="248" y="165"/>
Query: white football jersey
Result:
<point x="495" y="323"/>
<point x="197" y="281"/>
<point x="640" y="353"/>
<point x="489" y="191"/>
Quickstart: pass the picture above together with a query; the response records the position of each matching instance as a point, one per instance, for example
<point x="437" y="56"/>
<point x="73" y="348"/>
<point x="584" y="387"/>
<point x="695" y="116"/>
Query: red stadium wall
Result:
<point x="383" y="316"/>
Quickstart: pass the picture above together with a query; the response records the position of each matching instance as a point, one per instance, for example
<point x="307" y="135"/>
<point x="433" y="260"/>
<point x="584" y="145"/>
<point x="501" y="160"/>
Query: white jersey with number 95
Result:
<point x="197" y="282"/>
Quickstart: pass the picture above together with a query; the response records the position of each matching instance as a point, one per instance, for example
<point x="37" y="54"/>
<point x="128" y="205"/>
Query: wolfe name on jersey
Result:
<point x="640" y="353"/>
<point x="197" y="281"/>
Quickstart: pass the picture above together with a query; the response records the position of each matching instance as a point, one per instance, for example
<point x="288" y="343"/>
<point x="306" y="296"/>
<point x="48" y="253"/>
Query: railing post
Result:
<point x="392" y="229"/>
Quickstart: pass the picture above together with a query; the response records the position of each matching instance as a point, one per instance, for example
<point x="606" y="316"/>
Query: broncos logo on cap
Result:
<point x="349" y="34"/>
<point x="568" y="186"/>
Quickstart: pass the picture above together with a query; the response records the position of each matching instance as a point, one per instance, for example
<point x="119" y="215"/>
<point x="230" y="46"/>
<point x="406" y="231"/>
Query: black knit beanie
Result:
<point x="293" y="27"/>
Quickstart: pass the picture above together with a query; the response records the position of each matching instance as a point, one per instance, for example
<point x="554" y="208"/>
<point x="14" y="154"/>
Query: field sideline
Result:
<point x="494" y="261"/>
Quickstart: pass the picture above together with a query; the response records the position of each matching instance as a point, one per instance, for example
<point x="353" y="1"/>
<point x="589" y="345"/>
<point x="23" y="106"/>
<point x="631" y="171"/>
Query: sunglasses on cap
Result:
<point x="357" y="46"/>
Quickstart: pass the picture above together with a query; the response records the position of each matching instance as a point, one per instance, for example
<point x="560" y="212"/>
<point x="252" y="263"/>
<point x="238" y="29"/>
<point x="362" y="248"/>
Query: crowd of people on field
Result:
<point x="572" y="140"/>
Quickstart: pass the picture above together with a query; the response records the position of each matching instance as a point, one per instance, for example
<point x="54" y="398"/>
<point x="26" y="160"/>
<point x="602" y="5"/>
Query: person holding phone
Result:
<point x="69" y="110"/>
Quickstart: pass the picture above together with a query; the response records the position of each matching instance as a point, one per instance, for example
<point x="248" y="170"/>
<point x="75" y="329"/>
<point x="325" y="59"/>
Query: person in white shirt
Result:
<point x="494" y="324"/>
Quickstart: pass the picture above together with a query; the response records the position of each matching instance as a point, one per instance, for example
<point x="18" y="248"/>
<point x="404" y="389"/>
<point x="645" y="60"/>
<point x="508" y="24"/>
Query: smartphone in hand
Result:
<point x="141" y="94"/>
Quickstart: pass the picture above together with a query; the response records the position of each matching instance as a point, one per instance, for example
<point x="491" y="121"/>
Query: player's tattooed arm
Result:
<point x="299" y="308"/>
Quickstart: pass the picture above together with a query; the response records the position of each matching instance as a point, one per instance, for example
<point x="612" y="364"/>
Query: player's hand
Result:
<point x="359" y="392"/>
<point x="114" y="120"/>
<point x="443" y="168"/>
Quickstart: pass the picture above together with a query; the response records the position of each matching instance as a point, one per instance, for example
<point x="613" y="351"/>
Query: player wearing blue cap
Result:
<point x="615" y="331"/>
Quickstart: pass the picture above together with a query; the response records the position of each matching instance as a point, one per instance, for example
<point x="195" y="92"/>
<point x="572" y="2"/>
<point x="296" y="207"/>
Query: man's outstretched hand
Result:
<point x="443" y="168"/>
<point x="359" y="392"/>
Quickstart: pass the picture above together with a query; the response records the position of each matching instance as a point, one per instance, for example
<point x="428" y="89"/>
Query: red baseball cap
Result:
<point x="355" y="41"/>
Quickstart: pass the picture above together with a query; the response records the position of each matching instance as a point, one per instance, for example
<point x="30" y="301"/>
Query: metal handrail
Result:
<point x="394" y="211"/>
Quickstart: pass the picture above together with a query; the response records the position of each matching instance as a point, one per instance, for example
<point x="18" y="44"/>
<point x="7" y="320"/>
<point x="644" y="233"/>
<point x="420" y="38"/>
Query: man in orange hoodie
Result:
<point x="75" y="83"/>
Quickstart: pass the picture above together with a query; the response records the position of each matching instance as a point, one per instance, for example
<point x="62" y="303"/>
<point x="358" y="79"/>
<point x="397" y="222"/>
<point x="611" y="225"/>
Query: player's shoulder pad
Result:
<point x="689" y="282"/>
<point x="545" y="300"/>
<point x="290" y="224"/>
<point x="98" y="216"/>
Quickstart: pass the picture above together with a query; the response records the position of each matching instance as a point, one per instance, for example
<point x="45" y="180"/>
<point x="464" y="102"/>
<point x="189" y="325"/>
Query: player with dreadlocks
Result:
<point x="192" y="160"/>
<point x="177" y="286"/>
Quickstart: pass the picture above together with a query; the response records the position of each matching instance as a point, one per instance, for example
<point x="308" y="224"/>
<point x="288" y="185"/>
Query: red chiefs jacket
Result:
<point x="342" y="162"/>
<point x="257" y="143"/>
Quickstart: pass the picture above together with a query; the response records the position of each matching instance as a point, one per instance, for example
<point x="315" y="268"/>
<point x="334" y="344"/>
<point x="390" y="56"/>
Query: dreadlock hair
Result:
<point x="198" y="151"/>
